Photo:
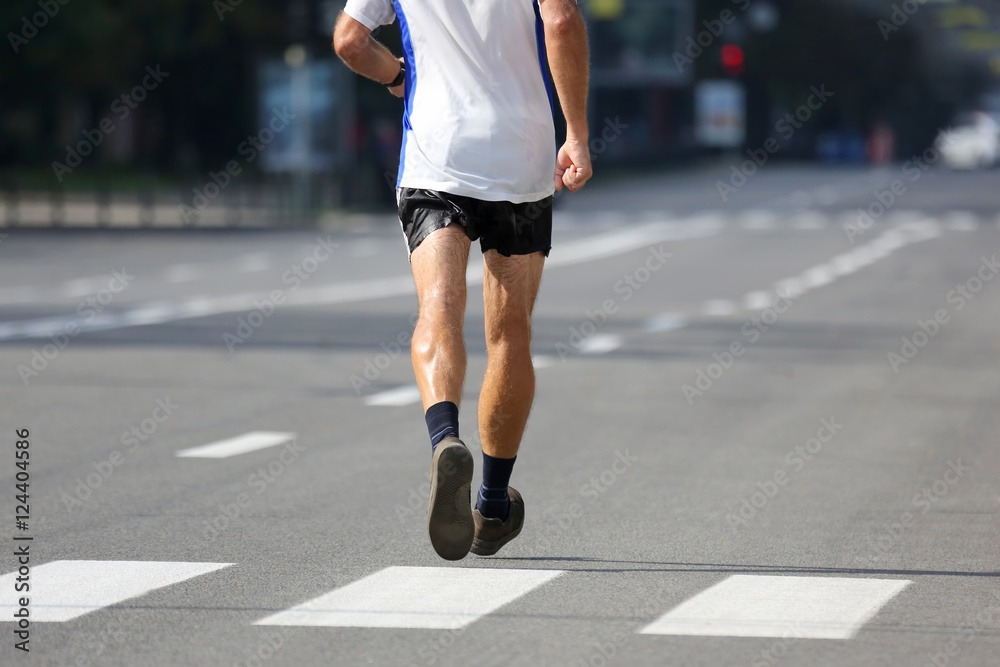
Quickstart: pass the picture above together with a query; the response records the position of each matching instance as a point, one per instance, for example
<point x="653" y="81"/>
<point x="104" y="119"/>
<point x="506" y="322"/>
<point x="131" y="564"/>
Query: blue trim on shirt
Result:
<point x="543" y="57"/>
<point x="411" y="84"/>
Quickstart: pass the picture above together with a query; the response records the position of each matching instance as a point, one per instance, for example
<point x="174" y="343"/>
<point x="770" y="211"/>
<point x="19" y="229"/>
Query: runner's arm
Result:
<point x="569" y="61"/>
<point x="354" y="43"/>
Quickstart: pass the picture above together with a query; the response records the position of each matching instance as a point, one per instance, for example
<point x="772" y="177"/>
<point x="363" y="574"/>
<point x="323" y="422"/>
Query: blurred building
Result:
<point x="673" y="80"/>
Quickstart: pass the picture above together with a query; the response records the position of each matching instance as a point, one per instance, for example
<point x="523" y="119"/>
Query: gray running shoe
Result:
<point x="449" y="513"/>
<point x="491" y="534"/>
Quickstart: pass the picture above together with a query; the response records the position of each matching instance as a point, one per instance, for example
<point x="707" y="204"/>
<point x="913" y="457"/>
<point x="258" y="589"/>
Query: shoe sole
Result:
<point x="490" y="548"/>
<point x="449" y="515"/>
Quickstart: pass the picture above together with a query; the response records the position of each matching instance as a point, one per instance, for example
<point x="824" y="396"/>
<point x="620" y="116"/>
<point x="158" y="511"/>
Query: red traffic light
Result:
<point x="732" y="59"/>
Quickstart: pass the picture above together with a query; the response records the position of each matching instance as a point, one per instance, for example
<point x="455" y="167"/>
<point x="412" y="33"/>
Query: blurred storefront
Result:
<point x="636" y="79"/>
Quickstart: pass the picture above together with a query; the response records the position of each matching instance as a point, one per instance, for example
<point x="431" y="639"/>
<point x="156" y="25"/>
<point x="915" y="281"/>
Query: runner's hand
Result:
<point x="573" y="167"/>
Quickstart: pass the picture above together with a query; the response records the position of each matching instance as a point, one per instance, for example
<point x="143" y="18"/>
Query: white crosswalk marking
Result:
<point x="66" y="589"/>
<point x="415" y="597"/>
<point x="774" y="606"/>
<point x="241" y="444"/>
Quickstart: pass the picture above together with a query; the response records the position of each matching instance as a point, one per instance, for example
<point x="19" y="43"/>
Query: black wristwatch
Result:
<point x="399" y="77"/>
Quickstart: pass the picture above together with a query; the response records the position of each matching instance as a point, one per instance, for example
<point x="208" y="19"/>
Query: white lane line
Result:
<point x="601" y="344"/>
<point x="758" y="300"/>
<point x="181" y="273"/>
<point x="395" y="398"/>
<point x="151" y="313"/>
<point x="790" y="287"/>
<point x="718" y="308"/>
<point x="415" y="597"/>
<point x="619" y="241"/>
<point x="962" y="221"/>
<point x="773" y="606"/>
<point x="758" y="221"/>
<point x="664" y="322"/>
<point x="62" y="590"/>
<point x="241" y="444"/>
<point x="256" y="261"/>
<point x="574" y="252"/>
<point x="857" y="258"/>
<point x="542" y="361"/>
<point x="196" y="306"/>
<point x="818" y="276"/>
<point x="82" y="286"/>
<point x="823" y="274"/>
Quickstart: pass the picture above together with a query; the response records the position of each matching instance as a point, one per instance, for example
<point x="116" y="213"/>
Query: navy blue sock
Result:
<point x="494" y="502"/>
<point x="442" y="422"/>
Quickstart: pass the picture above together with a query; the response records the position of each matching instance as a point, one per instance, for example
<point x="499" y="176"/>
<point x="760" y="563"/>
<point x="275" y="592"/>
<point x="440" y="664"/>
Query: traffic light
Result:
<point x="732" y="60"/>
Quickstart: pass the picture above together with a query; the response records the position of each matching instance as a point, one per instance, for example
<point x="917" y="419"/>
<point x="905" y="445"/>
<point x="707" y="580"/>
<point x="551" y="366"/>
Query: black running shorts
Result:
<point x="508" y="228"/>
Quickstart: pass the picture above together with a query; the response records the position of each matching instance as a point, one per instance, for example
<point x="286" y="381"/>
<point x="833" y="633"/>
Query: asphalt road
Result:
<point x="764" y="433"/>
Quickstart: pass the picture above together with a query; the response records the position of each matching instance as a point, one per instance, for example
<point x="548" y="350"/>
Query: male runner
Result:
<point x="477" y="162"/>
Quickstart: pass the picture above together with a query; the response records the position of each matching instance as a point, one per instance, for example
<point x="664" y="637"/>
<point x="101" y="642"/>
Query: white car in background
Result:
<point x="973" y="142"/>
